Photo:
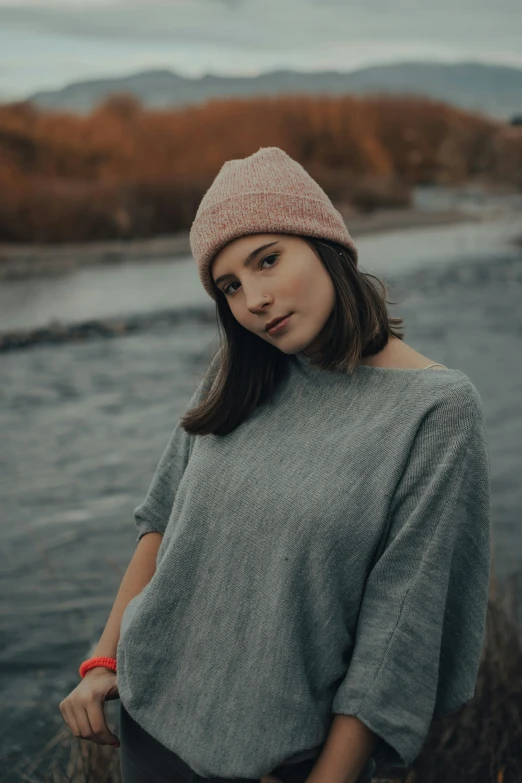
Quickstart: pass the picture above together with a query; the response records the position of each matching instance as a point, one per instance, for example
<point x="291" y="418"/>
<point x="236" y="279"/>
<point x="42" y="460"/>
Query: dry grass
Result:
<point x="65" y="759"/>
<point x="125" y="172"/>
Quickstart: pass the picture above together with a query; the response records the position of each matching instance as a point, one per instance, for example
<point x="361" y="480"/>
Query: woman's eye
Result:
<point x="272" y="255"/>
<point x="225" y="289"/>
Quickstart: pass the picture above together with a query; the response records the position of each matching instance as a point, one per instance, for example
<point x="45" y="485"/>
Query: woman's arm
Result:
<point x="82" y="709"/>
<point x="138" y="574"/>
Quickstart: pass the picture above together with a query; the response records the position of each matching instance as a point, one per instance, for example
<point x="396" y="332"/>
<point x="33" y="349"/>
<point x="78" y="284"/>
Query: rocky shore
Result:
<point x="58" y="332"/>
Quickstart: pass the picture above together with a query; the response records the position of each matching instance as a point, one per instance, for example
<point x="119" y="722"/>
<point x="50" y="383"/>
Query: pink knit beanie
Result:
<point x="267" y="192"/>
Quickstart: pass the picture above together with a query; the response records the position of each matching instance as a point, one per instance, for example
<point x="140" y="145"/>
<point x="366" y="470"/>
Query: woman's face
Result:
<point x="287" y="277"/>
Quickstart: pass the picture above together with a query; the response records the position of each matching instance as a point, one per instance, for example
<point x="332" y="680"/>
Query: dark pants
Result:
<point x="145" y="760"/>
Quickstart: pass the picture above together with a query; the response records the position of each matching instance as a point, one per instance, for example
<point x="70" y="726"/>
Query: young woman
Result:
<point x="311" y="579"/>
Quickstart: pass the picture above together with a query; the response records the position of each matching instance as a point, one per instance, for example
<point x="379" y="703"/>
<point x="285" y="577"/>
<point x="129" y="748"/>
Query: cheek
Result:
<point x="311" y="291"/>
<point x="297" y="287"/>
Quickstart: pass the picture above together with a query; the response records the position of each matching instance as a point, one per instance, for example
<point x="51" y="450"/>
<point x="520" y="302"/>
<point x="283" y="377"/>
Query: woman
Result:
<point x="311" y="578"/>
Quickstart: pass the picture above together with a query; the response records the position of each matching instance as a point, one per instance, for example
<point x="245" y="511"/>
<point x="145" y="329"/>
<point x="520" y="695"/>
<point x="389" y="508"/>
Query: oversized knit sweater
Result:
<point x="330" y="555"/>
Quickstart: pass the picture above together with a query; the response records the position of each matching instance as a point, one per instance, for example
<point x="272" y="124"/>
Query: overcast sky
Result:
<point x="46" y="44"/>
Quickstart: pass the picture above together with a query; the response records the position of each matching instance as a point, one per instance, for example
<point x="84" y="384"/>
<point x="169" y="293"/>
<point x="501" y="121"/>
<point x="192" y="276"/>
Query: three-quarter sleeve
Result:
<point x="152" y="515"/>
<point x="421" y="622"/>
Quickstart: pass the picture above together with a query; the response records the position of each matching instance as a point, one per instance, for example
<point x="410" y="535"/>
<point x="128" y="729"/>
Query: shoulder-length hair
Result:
<point x="249" y="369"/>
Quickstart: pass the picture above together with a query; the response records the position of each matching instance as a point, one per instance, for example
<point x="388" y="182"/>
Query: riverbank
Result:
<point x="23" y="261"/>
<point x="77" y="293"/>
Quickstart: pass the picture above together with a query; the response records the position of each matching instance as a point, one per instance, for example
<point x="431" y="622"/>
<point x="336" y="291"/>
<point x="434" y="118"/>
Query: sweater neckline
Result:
<point x="401" y="369"/>
<point x="306" y="361"/>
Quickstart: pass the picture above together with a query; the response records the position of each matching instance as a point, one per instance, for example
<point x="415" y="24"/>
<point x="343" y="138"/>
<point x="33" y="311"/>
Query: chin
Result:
<point x="295" y="349"/>
<point x="289" y="350"/>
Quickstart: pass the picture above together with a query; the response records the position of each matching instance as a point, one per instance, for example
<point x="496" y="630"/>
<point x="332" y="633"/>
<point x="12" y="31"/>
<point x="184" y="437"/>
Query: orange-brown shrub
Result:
<point x="124" y="171"/>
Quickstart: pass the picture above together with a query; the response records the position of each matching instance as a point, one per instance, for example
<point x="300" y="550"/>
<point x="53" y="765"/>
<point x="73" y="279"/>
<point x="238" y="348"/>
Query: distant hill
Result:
<point x="492" y="90"/>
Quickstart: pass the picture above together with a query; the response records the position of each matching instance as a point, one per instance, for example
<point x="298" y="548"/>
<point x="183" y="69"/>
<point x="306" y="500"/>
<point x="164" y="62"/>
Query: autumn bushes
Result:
<point x="52" y="210"/>
<point x="124" y="172"/>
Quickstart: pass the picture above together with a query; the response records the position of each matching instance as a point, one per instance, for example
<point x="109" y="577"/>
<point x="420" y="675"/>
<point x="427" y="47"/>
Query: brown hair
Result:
<point x="250" y="369"/>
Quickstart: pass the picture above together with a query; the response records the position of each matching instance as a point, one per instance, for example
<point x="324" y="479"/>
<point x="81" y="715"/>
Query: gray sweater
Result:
<point x="330" y="555"/>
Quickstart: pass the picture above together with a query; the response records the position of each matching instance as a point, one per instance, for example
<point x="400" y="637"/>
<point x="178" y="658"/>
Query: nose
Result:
<point x="256" y="300"/>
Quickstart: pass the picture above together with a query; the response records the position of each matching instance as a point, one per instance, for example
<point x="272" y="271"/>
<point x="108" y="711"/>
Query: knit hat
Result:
<point x="267" y="192"/>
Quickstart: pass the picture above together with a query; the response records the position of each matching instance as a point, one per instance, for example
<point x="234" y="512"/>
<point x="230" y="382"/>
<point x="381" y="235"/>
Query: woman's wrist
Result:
<point x="345" y="753"/>
<point x="97" y="661"/>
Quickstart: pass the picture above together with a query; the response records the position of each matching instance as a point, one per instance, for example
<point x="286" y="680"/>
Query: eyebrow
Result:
<point x="250" y="257"/>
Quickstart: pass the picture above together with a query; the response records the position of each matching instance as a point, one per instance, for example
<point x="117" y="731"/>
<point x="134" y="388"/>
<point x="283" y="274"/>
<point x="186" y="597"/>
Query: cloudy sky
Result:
<point x="46" y="44"/>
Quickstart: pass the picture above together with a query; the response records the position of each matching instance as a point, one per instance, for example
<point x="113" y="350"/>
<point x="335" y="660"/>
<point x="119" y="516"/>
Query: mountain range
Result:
<point x="492" y="90"/>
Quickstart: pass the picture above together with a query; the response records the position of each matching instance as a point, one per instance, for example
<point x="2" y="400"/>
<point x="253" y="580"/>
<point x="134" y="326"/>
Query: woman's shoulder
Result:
<point x="442" y="394"/>
<point x="456" y="402"/>
<point x="458" y="385"/>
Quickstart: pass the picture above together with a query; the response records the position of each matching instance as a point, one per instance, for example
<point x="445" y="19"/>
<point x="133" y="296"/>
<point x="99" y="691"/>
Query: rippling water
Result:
<point x="83" y="426"/>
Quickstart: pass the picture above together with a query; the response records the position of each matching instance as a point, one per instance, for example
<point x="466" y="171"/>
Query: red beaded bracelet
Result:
<point x="91" y="663"/>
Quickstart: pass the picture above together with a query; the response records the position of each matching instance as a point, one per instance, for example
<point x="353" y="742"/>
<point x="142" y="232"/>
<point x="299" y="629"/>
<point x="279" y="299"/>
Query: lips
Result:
<point x="271" y="324"/>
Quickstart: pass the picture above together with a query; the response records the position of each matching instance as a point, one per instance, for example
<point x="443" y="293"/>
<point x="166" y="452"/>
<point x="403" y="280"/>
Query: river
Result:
<point x="84" y="424"/>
